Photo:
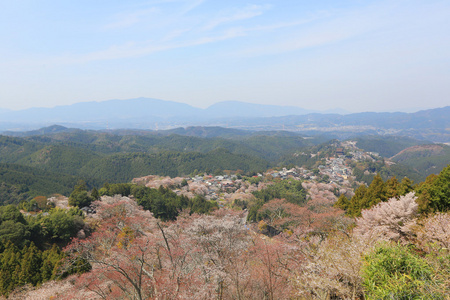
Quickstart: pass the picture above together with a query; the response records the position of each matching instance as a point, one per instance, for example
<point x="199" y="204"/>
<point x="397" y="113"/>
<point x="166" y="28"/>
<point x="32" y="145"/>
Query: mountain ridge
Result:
<point x="147" y="113"/>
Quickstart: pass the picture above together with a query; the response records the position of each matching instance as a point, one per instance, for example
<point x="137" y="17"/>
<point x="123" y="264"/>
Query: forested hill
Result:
<point x="387" y="146"/>
<point x="18" y="183"/>
<point x="267" y="145"/>
<point x="427" y="159"/>
<point x="116" y="158"/>
<point x="63" y="155"/>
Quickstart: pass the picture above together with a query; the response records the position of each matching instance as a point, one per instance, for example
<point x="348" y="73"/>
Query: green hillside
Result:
<point x="426" y="159"/>
<point x="124" y="167"/>
<point x="18" y="183"/>
<point x="267" y="147"/>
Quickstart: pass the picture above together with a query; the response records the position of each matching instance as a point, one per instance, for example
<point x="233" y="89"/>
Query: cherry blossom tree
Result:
<point x="388" y="220"/>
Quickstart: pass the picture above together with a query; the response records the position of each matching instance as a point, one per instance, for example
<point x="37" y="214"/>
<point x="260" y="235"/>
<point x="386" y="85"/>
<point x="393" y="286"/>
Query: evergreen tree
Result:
<point x="94" y="194"/>
<point x="406" y="186"/>
<point x="342" y="203"/>
<point x="392" y="187"/>
<point x="357" y="203"/>
<point x="9" y="268"/>
<point x="434" y="192"/>
<point x="376" y="192"/>
<point x="80" y="197"/>
<point x="51" y="260"/>
<point x="30" y="265"/>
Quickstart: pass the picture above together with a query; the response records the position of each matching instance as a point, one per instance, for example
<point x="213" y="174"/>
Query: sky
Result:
<point x="356" y="55"/>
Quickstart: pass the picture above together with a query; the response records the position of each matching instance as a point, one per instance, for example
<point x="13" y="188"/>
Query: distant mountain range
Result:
<point x="143" y="110"/>
<point x="145" y="113"/>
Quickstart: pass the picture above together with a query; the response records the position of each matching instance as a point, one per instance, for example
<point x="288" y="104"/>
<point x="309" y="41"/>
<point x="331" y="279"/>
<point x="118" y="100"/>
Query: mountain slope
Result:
<point x="386" y="146"/>
<point x="426" y="159"/>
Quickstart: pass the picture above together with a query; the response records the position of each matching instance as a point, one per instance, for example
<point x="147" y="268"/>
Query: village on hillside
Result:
<point x="333" y="177"/>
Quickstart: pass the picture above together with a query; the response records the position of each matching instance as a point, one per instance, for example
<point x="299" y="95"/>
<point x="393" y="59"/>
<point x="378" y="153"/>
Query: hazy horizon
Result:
<point x="381" y="56"/>
<point x="324" y="110"/>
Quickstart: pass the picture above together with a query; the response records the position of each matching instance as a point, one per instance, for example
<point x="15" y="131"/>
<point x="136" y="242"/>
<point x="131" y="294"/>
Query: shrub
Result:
<point x="394" y="272"/>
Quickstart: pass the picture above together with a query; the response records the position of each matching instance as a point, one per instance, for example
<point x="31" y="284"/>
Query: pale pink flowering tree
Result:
<point x="388" y="220"/>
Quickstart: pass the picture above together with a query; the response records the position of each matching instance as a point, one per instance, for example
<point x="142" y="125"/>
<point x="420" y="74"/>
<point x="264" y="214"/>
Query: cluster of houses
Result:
<point x="228" y="187"/>
<point x="336" y="169"/>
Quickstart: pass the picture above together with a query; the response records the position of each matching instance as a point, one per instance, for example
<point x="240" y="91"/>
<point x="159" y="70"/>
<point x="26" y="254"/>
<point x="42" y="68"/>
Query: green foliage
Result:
<point x="253" y="180"/>
<point x="385" y="171"/>
<point x="394" y="272"/>
<point x="27" y="265"/>
<point x="124" y="167"/>
<point x="426" y="159"/>
<point x="64" y="159"/>
<point x="61" y="224"/>
<point x="200" y="205"/>
<point x="184" y="183"/>
<point x="434" y="193"/>
<point x="361" y="176"/>
<point x="49" y="163"/>
<point x="80" y="197"/>
<point x="378" y="191"/>
<point x="95" y="194"/>
<point x="290" y="189"/>
<point x="13" y="227"/>
<point x="342" y="202"/>
<point x="12" y="193"/>
<point x="22" y="259"/>
<point x="18" y="183"/>
<point x="162" y="202"/>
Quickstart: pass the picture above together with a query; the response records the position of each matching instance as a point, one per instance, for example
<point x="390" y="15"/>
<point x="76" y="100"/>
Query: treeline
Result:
<point x="379" y="167"/>
<point x="433" y="194"/>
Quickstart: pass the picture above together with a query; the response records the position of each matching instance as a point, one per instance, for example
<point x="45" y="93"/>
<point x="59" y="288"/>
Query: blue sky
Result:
<point x="357" y="55"/>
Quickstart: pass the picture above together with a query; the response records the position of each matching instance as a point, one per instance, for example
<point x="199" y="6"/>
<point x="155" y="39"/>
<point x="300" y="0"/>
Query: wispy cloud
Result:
<point x="133" y="49"/>
<point x="173" y="32"/>
<point x="191" y="5"/>
<point x="130" y="19"/>
<point x="170" y="31"/>
<point x="329" y="27"/>
<point x="247" y="12"/>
